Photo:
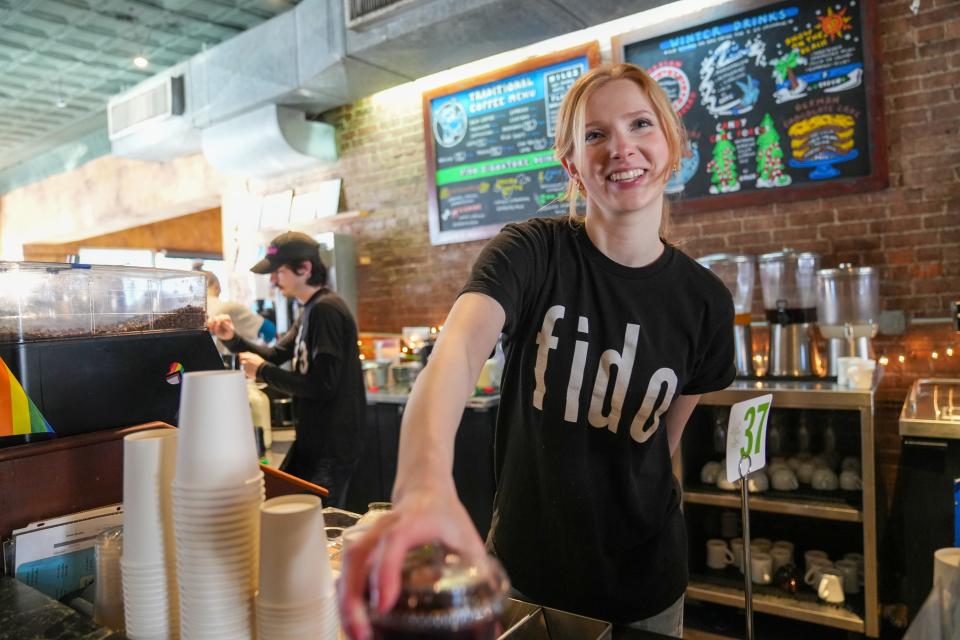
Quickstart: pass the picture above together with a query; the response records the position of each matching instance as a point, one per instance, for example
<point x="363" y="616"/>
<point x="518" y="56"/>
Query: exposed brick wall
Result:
<point x="909" y="231"/>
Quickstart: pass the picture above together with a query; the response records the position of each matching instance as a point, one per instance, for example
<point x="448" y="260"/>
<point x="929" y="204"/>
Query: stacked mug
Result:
<point x="149" y="555"/>
<point x="217" y="493"/>
<point x="297" y="598"/>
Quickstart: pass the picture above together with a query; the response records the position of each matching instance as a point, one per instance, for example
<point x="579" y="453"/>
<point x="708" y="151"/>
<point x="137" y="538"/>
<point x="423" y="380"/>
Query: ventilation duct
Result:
<point x="319" y="55"/>
<point x="150" y="121"/>
<point x="421" y="37"/>
<point x="268" y="141"/>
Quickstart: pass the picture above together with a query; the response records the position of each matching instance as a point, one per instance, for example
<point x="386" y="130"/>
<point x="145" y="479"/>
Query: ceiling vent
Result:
<point x="152" y="120"/>
<point x="362" y="13"/>
<point x="148" y="103"/>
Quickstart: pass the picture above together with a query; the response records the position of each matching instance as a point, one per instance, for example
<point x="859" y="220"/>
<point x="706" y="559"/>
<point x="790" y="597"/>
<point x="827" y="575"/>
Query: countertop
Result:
<point x="27" y="613"/>
<point x="399" y="394"/>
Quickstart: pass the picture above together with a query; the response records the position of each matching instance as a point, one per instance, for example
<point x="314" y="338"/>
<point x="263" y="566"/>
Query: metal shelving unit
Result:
<point x="803" y="395"/>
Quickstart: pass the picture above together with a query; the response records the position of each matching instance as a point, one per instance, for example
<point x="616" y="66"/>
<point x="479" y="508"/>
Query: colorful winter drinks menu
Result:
<point x="779" y="101"/>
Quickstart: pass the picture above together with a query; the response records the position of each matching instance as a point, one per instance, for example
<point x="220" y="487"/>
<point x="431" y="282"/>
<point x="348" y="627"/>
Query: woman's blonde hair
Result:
<point x="571" y="123"/>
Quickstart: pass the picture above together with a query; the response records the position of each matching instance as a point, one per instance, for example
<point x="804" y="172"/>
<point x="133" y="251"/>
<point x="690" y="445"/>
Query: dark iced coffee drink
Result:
<point x="444" y="597"/>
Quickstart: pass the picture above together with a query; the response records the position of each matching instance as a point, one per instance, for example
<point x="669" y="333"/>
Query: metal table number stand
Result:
<point x="746" y="453"/>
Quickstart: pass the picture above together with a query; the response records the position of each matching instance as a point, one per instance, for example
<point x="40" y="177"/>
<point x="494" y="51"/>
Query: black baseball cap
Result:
<point x="291" y="246"/>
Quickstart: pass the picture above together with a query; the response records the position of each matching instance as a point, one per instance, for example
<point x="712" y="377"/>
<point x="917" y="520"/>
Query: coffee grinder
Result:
<point x="789" y="282"/>
<point x="848" y="311"/>
<point x="737" y="272"/>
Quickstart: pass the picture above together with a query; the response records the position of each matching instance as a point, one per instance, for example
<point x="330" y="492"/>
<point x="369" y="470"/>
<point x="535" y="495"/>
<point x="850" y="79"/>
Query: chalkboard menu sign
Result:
<point x="490" y="156"/>
<point x="779" y="100"/>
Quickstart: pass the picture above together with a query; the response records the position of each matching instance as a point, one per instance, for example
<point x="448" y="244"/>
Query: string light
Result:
<point x="932" y="357"/>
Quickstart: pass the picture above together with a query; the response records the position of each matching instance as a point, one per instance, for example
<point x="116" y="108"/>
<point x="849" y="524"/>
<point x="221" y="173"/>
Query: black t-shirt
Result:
<point x="587" y="511"/>
<point x="326" y="382"/>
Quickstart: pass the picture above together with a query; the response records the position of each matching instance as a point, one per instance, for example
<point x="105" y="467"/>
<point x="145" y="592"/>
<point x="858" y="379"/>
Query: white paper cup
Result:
<point x="149" y="463"/>
<point x="294" y="565"/>
<point x="217" y="442"/>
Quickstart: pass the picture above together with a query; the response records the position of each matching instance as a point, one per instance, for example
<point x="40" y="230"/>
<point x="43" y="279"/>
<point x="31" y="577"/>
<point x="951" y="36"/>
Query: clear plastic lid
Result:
<point x="737" y="272"/>
<point x="45" y="301"/>
<point x="443" y="591"/>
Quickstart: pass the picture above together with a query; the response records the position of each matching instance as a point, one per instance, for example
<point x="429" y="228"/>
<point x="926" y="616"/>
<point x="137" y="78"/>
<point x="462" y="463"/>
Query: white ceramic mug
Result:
<point x="723" y="483"/>
<point x="851" y="575"/>
<point x="709" y="472"/>
<point x="816" y="570"/>
<point x="811" y="555"/>
<point x="830" y="586"/>
<point x="761" y="568"/>
<point x="824" y="479"/>
<point x="719" y="555"/>
<point x="805" y="471"/>
<point x="758" y="482"/>
<point x="784" y="479"/>
<point x="858" y="558"/>
<point x="781" y="556"/>
<point x="764" y="544"/>
<point x="850" y="481"/>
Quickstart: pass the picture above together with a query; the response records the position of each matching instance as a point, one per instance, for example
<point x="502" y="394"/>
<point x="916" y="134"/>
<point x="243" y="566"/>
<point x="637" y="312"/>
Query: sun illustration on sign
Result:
<point x="833" y="24"/>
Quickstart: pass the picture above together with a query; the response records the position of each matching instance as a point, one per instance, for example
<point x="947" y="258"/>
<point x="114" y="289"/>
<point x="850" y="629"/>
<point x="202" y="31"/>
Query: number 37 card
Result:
<point x="747" y="436"/>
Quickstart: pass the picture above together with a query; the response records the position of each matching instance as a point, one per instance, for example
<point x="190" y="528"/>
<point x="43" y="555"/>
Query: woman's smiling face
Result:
<point x="624" y="157"/>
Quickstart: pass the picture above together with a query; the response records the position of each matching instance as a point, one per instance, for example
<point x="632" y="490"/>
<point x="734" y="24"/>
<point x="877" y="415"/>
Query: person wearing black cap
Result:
<point x="326" y="381"/>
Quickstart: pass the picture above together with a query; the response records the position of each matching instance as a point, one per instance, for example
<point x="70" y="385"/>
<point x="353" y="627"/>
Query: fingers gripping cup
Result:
<point x="444" y="596"/>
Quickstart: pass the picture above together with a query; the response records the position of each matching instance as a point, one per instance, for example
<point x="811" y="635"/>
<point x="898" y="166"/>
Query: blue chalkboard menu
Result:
<point x="490" y="156"/>
<point x="779" y="100"/>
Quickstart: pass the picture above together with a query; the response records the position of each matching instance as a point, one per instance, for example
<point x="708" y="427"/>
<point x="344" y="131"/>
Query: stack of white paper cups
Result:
<point x="148" y="561"/>
<point x="217" y="494"/>
<point x="297" y="598"/>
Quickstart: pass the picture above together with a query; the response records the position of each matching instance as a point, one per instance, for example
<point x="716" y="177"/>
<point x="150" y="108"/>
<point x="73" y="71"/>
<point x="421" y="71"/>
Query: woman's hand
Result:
<point x="222" y="327"/>
<point x="431" y="513"/>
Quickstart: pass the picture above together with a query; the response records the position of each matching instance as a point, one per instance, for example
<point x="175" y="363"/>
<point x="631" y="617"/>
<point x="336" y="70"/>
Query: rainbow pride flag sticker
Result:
<point x="18" y="414"/>
<point x="175" y="373"/>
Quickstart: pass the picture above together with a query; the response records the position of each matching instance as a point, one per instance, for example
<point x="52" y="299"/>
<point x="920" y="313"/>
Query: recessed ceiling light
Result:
<point x="61" y="103"/>
<point x="140" y="62"/>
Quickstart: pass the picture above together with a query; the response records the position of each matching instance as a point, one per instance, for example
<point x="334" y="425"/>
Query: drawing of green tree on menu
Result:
<point x="790" y="87"/>
<point x="723" y="168"/>
<point x="770" y="157"/>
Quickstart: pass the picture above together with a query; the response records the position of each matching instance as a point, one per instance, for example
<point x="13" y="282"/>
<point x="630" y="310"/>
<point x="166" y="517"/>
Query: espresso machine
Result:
<point x="789" y="282"/>
<point x="848" y="311"/>
<point x="737" y="272"/>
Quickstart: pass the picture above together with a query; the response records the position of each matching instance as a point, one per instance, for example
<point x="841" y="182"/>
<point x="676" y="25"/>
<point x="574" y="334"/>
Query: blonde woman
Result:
<point x="611" y="336"/>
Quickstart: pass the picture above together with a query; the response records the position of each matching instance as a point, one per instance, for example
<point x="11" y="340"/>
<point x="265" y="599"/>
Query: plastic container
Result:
<point x="789" y="282"/>
<point x="49" y="301"/>
<point x="737" y="272"/>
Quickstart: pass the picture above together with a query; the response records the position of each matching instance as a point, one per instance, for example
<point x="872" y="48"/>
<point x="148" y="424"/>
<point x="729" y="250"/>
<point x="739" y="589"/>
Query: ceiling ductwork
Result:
<point x="323" y="54"/>
<point x="268" y="141"/>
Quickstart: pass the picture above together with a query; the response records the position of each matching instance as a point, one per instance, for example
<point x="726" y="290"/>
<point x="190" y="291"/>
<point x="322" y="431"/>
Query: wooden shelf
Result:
<point x="806" y="508"/>
<point x="320" y="225"/>
<point x="827" y="615"/>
